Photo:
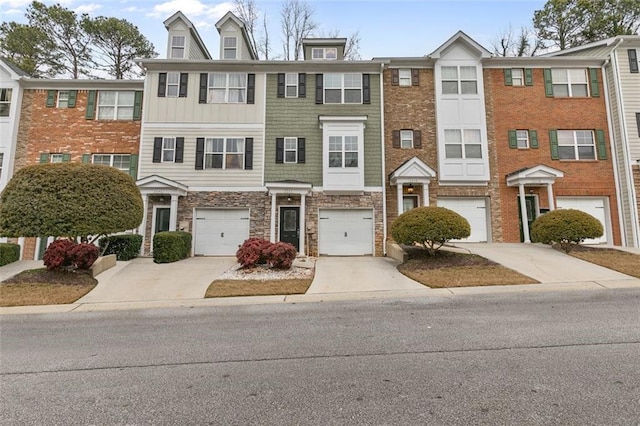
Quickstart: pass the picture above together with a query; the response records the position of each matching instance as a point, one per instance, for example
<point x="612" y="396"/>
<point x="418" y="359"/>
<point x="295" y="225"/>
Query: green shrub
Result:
<point x="431" y="227"/>
<point x="171" y="246"/>
<point x="125" y="247"/>
<point x="9" y="253"/>
<point x="566" y="228"/>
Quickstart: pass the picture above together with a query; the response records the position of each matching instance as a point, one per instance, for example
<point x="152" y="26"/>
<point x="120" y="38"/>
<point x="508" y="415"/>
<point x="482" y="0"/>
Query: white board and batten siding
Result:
<point x="597" y="207"/>
<point x="475" y="210"/>
<point x="219" y="232"/>
<point x="345" y="232"/>
<point x="630" y="85"/>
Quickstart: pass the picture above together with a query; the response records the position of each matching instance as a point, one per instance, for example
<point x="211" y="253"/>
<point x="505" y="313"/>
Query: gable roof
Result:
<point x="15" y="71"/>
<point x="461" y="38"/>
<point x="607" y="44"/>
<point x="412" y="170"/>
<point x="192" y="29"/>
<point x="243" y="28"/>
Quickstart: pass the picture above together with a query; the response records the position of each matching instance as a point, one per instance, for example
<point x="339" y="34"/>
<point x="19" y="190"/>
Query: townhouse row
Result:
<point x="325" y="153"/>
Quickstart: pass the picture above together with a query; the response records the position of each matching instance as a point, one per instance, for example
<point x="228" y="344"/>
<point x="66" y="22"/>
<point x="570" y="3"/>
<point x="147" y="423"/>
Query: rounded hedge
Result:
<point x="567" y="228"/>
<point x="69" y="200"/>
<point x="430" y="226"/>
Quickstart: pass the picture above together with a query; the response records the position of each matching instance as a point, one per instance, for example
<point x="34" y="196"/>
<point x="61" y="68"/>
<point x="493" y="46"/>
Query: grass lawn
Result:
<point x="43" y="287"/>
<point x="618" y="260"/>
<point x="449" y="269"/>
<point x="229" y="288"/>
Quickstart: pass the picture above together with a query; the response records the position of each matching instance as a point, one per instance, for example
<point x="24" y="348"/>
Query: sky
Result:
<point x="387" y="28"/>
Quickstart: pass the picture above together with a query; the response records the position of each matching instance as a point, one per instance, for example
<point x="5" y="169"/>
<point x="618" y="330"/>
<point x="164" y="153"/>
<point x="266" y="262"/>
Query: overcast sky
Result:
<point x="387" y="28"/>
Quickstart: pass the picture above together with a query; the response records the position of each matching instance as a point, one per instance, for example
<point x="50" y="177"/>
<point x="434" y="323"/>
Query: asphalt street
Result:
<point x="544" y="358"/>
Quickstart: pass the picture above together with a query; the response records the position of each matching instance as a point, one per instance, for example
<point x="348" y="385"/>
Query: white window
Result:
<point x="290" y="150"/>
<point x="291" y="85"/>
<point x="173" y="84"/>
<point x="461" y="143"/>
<point x="324" y="53"/>
<point x="227" y="88"/>
<point x="517" y="77"/>
<point x="342" y="88"/>
<point x="522" y="136"/>
<point x="343" y="151"/>
<point x="56" y="158"/>
<point x="5" y="102"/>
<point x="569" y="83"/>
<point x="119" y="161"/>
<point x="406" y="139"/>
<point x="224" y="153"/>
<point x="177" y="46"/>
<point x="115" y="105"/>
<point x="168" y="150"/>
<point x="230" y="48"/>
<point x="576" y="145"/>
<point x="63" y="99"/>
<point x="459" y="80"/>
<point x="404" y="76"/>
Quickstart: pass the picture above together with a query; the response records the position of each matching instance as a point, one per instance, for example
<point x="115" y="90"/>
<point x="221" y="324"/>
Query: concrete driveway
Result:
<point x="142" y="280"/>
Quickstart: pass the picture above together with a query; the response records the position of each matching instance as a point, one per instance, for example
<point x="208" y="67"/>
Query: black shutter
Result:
<point x="395" y="138"/>
<point x="199" y="153"/>
<point x="179" y="150"/>
<point x="202" y="98"/>
<point x="251" y="90"/>
<point x="633" y="60"/>
<point x="248" y="154"/>
<point x="366" y="89"/>
<point x="162" y="84"/>
<point x="279" y="150"/>
<point x="302" y="150"/>
<point x="281" y="80"/>
<point x="157" y="150"/>
<point x="302" y="85"/>
<point x="417" y="139"/>
<point x="395" y="77"/>
<point x="319" y="83"/>
<point x="415" y="77"/>
<point x="184" y="80"/>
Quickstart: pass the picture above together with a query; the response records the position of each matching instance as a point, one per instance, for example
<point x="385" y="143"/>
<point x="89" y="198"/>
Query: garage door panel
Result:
<point x="345" y="232"/>
<point x="220" y="232"/>
<point x="472" y="209"/>
<point x="593" y="206"/>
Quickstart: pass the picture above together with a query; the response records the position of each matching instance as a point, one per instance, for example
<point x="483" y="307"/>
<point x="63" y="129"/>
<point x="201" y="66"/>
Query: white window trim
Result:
<point x="463" y="144"/>
<point x="287" y="85"/>
<point x="342" y="89"/>
<point x="8" y="92"/>
<point x="459" y="80"/>
<point x="167" y="150"/>
<point x="325" y="53"/>
<point x="405" y="80"/>
<point x="115" y="106"/>
<point x="111" y="158"/>
<point x="569" y="83"/>
<point x="174" y="46"/>
<point x="525" y="139"/>
<point x="285" y="150"/>
<point x="224" y="153"/>
<point x="60" y="93"/>
<point x="343" y="178"/>
<point x="517" y="80"/>
<point x="406" y="136"/>
<point x="169" y="84"/>
<point x="575" y="145"/>
<point x="229" y="49"/>
<point x="56" y="158"/>
<point x="226" y="88"/>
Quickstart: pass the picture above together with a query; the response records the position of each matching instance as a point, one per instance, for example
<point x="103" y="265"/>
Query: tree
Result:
<point x="26" y="47"/>
<point x="352" y="46"/>
<point x="297" y="24"/>
<point x="68" y="39"/>
<point x="508" y="44"/>
<point x="71" y="200"/>
<point x="561" y="22"/>
<point x="118" y="42"/>
<point x="610" y="18"/>
<point x="566" y="227"/>
<point x="431" y="227"/>
<point x="248" y="12"/>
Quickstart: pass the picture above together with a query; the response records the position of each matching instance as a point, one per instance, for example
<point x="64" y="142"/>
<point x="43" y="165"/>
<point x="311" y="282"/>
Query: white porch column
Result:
<point x="399" y="194"/>
<point x="552" y="205"/>
<point x="272" y="231"/>
<point x="21" y="244"/>
<point x="523" y="213"/>
<point x="173" y="213"/>
<point x="143" y="226"/>
<point x="303" y="225"/>
<point x="425" y="194"/>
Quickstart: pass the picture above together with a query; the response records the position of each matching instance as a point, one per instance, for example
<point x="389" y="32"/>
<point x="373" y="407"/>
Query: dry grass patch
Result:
<point x="230" y="288"/>
<point x="621" y="261"/>
<point x="43" y="287"/>
<point x="448" y="269"/>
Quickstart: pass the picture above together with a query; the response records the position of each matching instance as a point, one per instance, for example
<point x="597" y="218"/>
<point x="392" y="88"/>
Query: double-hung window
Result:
<point x="224" y="153"/>
<point x="459" y="80"/>
<point x="5" y="102"/>
<point x="227" y="88"/>
<point x="173" y="84"/>
<point x="462" y="143"/>
<point x="404" y="77"/>
<point x="56" y="158"/>
<point x="119" y="161"/>
<point x="290" y="150"/>
<point x="291" y="85"/>
<point x="343" y="151"/>
<point x="569" y="83"/>
<point x="576" y="145"/>
<point x="343" y="88"/>
<point x="230" y="48"/>
<point x="177" y="46"/>
<point x="522" y="138"/>
<point x="517" y="77"/>
<point x="115" y="105"/>
<point x="63" y="99"/>
<point x="168" y="150"/>
<point x="406" y="139"/>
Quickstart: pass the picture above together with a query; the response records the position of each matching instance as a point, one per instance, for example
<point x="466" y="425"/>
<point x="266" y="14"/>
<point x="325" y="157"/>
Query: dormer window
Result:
<point x="230" y="48"/>
<point x="177" y="46"/>
<point x="330" y="53"/>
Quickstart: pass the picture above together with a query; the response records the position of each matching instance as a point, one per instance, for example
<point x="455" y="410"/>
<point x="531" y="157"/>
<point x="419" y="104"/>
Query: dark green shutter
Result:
<point x="528" y="77"/>
<point x="508" y="77"/>
<point x="133" y="166"/>
<point x="71" y="103"/>
<point x="513" y="139"/>
<point x="548" y="83"/>
<point x="602" y="148"/>
<point x="595" y="88"/>
<point x="533" y="138"/>
<point x="137" y="105"/>
<point x="51" y="98"/>
<point x="86" y="158"/>
<point x="44" y="157"/>
<point x="553" y="142"/>
<point x="66" y="158"/>
<point x="91" y="105"/>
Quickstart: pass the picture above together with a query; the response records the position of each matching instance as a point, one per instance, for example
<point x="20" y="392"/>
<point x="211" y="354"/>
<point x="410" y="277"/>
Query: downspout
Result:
<point x="143" y="226"/>
<point x="384" y="168"/>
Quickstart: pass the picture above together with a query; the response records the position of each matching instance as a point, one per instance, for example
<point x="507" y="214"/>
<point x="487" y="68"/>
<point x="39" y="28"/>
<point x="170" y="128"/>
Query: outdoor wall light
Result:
<point x="410" y="188"/>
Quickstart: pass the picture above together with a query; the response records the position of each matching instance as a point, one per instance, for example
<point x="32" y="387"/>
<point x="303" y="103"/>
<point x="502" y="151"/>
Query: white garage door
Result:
<point x="220" y="232"/>
<point x="345" y="232"/>
<point x="472" y="209"/>
<point x="595" y="206"/>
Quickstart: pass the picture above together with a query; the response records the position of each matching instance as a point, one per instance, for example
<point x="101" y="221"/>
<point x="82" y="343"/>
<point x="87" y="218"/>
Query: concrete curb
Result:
<point x="434" y="294"/>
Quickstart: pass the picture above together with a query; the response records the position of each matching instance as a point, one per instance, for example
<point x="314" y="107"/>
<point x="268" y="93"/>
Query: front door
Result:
<point x="163" y="215"/>
<point x="530" y="202"/>
<point x="290" y="226"/>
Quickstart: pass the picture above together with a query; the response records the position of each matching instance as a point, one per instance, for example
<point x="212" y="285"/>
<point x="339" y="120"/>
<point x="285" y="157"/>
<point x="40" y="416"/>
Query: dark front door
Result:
<point x="530" y="202"/>
<point x="290" y="226"/>
<point x="162" y="219"/>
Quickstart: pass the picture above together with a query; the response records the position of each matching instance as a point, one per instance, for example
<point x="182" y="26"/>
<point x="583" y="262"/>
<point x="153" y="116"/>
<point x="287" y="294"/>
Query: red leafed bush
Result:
<point x="252" y="252"/>
<point x="281" y="255"/>
<point x="56" y="255"/>
<point x="83" y="255"/>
